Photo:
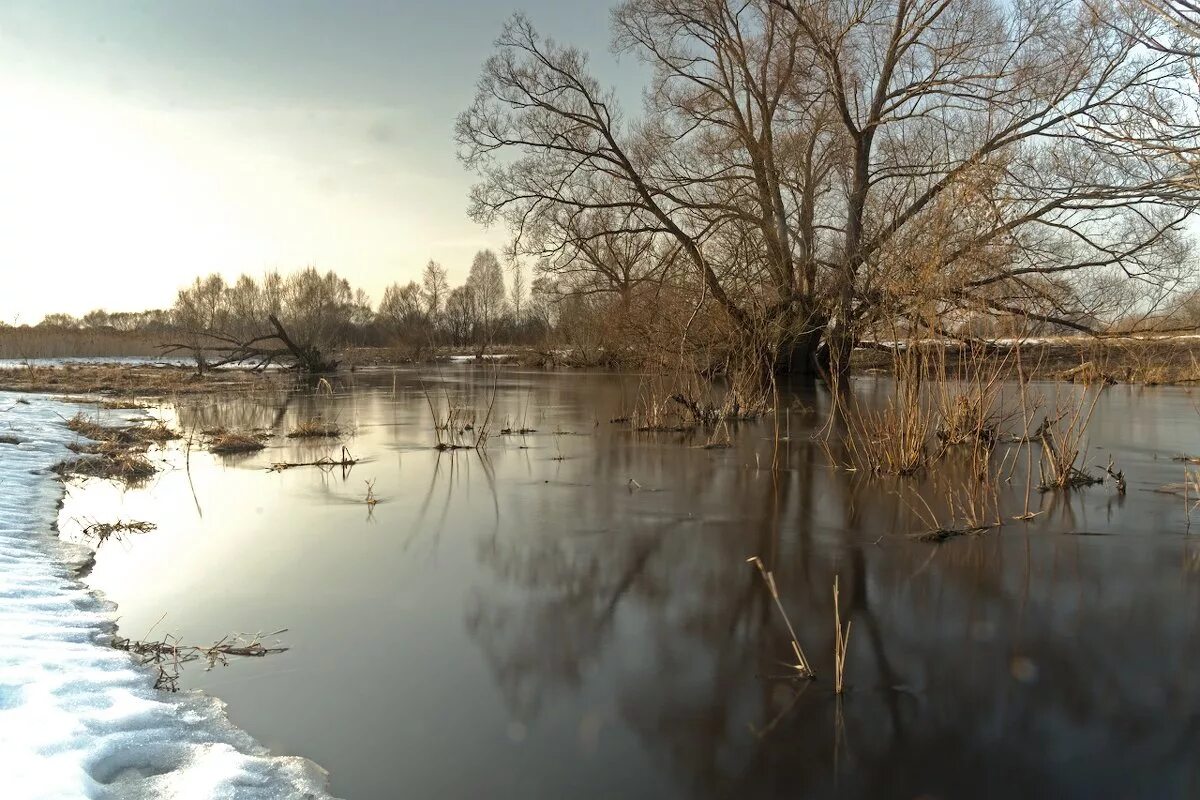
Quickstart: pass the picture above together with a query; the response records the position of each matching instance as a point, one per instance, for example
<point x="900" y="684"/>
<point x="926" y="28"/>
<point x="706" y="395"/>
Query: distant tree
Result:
<point x="402" y="313"/>
<point x="244" y="303"/>
<point x="486" y="281"/>
<point x="201" y="307"/>
<point x="461" y="314"/>
<point x="517" y="291"/>
<point x="299" y="318"/>
<point x="96" y="318"/>
<point x="543" y="293"/>
<point x="362" y="315"/>
<point x="434" y="288"/>
<point x="63" y="321"/>
<point x="317" y="309"/>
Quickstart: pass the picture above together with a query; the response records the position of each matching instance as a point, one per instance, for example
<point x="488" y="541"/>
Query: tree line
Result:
<point x="323" y="309"/>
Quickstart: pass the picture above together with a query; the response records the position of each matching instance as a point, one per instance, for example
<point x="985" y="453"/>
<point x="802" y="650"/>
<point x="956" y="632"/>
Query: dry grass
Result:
<point x="130" y="468"/>
<point x="226" y="442"/>
<point x="169" y="654"/>
<point x="315" y="428"/>
<point x="1063" y="437"/>
<point x="971" y="509"/>
<point x="115" y="452"/>
<point x="456" y="429"/>
<point x="841" y="641"/>
<point x="122" y="436"/>
<point x="893" y="440"/>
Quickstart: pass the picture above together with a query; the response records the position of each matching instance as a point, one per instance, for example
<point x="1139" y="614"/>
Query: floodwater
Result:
<point x="571" y="614"/>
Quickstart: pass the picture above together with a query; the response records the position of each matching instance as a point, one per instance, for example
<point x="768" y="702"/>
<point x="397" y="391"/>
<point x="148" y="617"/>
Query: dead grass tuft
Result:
<point x="315" y="428"/>
<point x="225" y="442"/>
<point x="128" y="467"/>
<point x="115" y="452"/>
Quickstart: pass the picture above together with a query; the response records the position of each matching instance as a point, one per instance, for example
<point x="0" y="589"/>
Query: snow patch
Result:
<point x="79" y="719"/>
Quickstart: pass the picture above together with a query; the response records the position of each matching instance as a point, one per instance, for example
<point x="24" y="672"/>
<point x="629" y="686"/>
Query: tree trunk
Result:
<point x="804" y="355"/>
<point x="308" y="357"/>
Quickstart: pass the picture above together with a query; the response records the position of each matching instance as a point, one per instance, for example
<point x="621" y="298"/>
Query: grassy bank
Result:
<point x="128" y="380"/>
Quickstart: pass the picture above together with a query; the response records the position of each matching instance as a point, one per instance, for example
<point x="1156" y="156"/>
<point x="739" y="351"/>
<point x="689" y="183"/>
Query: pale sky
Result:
<point x="145" y="143"/>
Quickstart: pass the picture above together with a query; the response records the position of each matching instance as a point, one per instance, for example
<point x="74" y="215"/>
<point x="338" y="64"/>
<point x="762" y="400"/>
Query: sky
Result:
<point x="145" y="143"/>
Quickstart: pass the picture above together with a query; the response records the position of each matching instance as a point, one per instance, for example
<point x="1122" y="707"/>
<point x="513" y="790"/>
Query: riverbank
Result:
<point x="78" y="719"/>
<point x="1139" y="361"/>
<point x="133" y="379"/>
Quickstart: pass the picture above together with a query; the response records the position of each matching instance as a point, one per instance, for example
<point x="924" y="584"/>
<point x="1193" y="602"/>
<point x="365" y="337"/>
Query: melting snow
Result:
<point x="77" y="718"/>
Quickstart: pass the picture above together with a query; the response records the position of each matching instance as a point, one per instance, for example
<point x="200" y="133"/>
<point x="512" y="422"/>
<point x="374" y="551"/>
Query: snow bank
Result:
<point x="77" y="718"/>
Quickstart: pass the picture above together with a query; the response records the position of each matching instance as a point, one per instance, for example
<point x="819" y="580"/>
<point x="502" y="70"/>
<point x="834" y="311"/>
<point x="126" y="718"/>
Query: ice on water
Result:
<point x="79" y="719"/>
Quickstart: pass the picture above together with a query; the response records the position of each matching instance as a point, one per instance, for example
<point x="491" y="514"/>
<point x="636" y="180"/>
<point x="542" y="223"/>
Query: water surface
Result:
<point x="571" y="613"/>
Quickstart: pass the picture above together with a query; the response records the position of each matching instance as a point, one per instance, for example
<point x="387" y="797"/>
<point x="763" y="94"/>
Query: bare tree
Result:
<point x="824" y="167"/>
<point x="486" y="282"/>
<point x="434" y="288"/>
<point x="461" y="314"/>
<point x="517" y="291"/>
<point x="403" y="314"/>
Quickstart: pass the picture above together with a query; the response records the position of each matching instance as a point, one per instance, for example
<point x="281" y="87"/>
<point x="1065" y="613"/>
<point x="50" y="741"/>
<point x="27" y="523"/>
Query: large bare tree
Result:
<point x="823" y="166"/>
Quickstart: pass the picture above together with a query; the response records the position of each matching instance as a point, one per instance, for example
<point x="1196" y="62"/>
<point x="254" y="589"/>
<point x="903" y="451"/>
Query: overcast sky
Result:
<point x="143" y="143"/>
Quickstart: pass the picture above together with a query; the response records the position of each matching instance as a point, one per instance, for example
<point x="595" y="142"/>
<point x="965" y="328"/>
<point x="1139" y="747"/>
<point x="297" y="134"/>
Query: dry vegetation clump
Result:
<point x="315" y="428"/>
<point x="128" y="467"/>
<point x="893" y="440"/>
<point x="223" y="441"/>
<point x="115" y="452"/>
<point x="345" y="461"/>
<point x="1063" y="438"/>
<point x="113" y="437"/>
<point x="103" y="531"/>
<point x="970" y="510"/>
<point x="456" y="429"/>
<point x="169" y="654"/>
<point x="122" y="405"/>
<point x="7" y="439"/>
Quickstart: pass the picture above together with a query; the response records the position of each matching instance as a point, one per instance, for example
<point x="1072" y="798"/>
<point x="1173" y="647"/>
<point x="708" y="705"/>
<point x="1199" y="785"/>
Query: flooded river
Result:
<point x="571" y="613"/>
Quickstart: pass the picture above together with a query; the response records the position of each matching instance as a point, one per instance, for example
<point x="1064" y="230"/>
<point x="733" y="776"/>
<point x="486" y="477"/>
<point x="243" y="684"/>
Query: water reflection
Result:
<point x="528" y="622"/>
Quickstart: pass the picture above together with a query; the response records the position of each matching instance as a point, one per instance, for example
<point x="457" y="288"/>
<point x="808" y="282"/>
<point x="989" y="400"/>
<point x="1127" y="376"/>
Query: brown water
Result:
<point x="528" y="624"/>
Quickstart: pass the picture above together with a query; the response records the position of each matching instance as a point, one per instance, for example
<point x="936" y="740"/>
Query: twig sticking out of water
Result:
<point x="802" y="667"/>
<point x="371" y="500"/>
<point x="841" y="640"/>
<point x="169" y="654"/>
<point x="1118" y="475"/>
<point x="972" y="510"/>
<point x="345" y="461"/>
<point x="105" y="530"/>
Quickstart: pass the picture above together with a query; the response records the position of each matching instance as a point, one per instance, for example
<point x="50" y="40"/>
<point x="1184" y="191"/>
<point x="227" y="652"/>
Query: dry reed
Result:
<point x="841" y="641"/>
<point x="802" y="667"/>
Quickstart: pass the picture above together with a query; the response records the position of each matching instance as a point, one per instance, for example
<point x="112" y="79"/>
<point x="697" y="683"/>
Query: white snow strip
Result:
<point x="79" y="719"/>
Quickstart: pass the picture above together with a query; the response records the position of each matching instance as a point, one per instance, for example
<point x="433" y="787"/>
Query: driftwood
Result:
<point x="257" y="351"/>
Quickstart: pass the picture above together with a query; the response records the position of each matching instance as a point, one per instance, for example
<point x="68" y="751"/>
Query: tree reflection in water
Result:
<point x="1023" y="662"/>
